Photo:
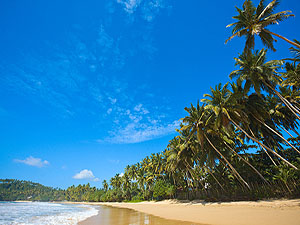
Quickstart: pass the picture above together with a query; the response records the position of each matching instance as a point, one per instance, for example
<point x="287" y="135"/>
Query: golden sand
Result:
<point x="271" y="212"/>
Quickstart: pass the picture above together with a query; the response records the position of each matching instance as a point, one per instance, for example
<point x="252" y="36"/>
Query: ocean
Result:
<point x="43" y="213"/>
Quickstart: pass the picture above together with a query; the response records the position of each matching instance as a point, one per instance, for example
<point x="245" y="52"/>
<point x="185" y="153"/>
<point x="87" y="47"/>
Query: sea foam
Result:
<point x="44" y="213"/>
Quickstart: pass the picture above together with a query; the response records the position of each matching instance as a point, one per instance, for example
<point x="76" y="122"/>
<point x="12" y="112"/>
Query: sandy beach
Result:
<point x="271" y="212"/>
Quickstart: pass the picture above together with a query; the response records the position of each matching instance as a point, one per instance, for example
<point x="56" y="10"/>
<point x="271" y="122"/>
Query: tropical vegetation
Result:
<point x="241" y="141"/>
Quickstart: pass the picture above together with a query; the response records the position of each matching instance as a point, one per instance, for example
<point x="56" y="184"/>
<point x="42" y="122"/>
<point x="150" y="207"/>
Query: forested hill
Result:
<point x="12" y="190"/>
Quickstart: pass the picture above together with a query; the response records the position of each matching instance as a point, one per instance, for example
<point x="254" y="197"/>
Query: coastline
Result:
<point x="268" y="212"/>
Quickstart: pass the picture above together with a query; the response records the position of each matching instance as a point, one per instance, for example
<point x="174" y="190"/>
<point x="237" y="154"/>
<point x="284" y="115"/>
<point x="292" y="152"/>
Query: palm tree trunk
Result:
<point x="208" y="169"/>
<point x="287" y="40"/>
<point x="263" y="149"/>
<point x="233" y="169"/>
<point x="277" y="134"/>
<point x="236" y="175"/>
<point x="249" y="164"/>
<point x="296" y="132"/>
<point x="261" y="144"/>
<point x="282" y="127"/>
<point x="296" y="106"/>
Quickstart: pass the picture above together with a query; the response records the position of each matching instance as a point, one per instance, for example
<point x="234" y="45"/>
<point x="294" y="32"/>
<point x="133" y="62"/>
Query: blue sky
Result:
<point x="88" y="87"/>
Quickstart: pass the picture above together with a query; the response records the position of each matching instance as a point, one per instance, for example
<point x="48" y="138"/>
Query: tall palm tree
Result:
<point x="180" y="159"/>
<point x="126" y="186"/>
<point x="292" y="75"/>
<point x="261" y="75"/>
<point x="291" y="82"/>
<point x="207" y="129"/>
<point x="174" y="164"/>
<point x="105" y="185"/>
<point x="141" y="176"/>
<point x="224" y="106"/>
<point x="254" y="20"/>
<point x="116" y="181"/>
<point x="132" y="172"/>
<point x="281" y="116"/>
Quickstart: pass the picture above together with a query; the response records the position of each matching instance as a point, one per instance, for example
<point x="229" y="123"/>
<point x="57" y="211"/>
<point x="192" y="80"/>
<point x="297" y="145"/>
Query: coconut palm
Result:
<point x="224" y="106"/>
<point x="180" y="159"/>
<point x="292" y="76"/>
<point x="105" y="185"/>
<point x="206" y="126"/>
<point x="261" y="121"/>
<point x="253" y="21"/>
<point x="174" y="163"/>
<point x="261" y="75"/>
<point x="141" y="177"/>
<point x="116" y="181"/>
<point x="132" y="172"/>
<point x="126" y="186"/>
<point x="296" y="51"/>
<point x="219" y="98"/>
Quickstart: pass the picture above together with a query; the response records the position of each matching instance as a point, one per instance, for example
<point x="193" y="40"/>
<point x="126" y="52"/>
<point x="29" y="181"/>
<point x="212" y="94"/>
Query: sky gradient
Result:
<point x="88" y="87"/>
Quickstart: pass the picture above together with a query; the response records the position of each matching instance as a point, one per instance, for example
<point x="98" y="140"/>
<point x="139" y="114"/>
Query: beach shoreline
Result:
<point x="267" y="212"/>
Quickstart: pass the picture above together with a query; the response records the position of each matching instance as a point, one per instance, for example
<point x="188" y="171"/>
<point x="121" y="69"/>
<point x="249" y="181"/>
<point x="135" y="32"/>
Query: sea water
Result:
<point x="43" y="213"/>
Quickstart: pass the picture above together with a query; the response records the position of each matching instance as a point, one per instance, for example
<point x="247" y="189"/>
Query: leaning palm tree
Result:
<point x="205" y="126"/>
<point x="292" y="73"/>
<point x="179" y="162"/>
<point x="253" y="21"/>
<point x="261" y="75"/>
<point x="224" y="107"/>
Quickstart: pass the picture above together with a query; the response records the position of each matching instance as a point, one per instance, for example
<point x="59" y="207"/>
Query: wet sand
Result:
<point x="116" y="216"/>
<point x="271" y="212"/>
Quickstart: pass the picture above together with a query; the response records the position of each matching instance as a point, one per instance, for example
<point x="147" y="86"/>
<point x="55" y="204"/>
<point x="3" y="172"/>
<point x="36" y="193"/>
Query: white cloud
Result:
<point x="109" y="111"/>
<point x="138" y="107"/>
<point x="148" y="8"/>
<point x="85" y="175"/>
<point x="31" y="161"/>
<point x="139" y="132"/>
<point x="112" y="100"/>
<point x="121" y="174"/>
<point x="129" y="5"/>
<point x="141" y="109"/>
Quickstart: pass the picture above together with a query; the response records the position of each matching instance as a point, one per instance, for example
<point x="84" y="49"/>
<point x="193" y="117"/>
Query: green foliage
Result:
<point x="13" y="190"/>
<point x="162" y="190"/>
<point x="252" y="21"/>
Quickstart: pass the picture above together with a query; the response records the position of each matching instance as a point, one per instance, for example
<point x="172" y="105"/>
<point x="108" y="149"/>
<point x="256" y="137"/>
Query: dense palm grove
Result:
<point x="240" y="141"/>
<point x="258" y="111"/>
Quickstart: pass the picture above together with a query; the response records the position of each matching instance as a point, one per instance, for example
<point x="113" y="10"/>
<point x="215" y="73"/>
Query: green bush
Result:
<point x="162" y="190"/>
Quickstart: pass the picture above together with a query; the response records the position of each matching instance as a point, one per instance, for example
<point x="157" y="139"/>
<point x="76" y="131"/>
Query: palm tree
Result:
<point x="224" y="106"/>
<point x="141" y="177"/>
<point x="254" y="20"/>
<point x="205" y="123"/>
<point x="285" y="174"/>
<point x="281" y="116"/>
<point x="105" y="185"/>
<point x="126" y="186"/>
<point x="261" y="75"/>
<point x="292" y="73"/>
<point x="180" y="160"/>
<point x="116" y="181"/>
<point x="292" y="76"/>
<point x="132" y="172"/>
